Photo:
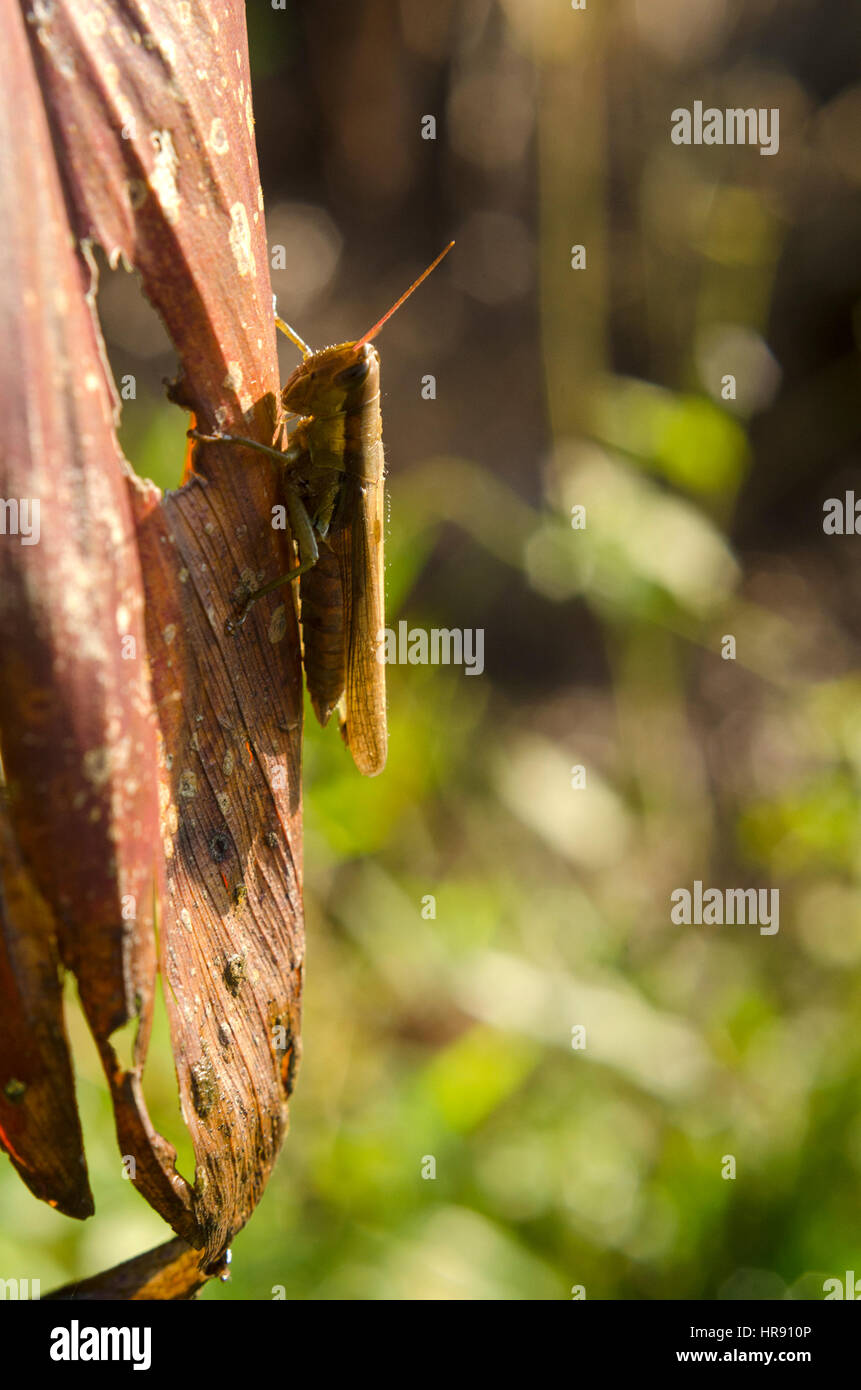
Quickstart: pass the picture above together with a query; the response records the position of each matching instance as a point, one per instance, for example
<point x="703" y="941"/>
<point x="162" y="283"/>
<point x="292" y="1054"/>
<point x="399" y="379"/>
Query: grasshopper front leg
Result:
<point x="276" y="454"/>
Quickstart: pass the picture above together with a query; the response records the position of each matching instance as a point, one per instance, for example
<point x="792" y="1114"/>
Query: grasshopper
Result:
<point x="332" y="478"/>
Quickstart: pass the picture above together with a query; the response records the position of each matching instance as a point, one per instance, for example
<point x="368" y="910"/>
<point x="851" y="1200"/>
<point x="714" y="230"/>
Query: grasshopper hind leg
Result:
<point x="300" y="522"/>
<point x="309" y="553"/>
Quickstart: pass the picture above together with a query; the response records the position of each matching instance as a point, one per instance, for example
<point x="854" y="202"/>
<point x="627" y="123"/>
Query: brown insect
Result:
<point x="332" y="473"/>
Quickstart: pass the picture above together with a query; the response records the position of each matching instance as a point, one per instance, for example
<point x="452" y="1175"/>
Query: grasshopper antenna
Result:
<point x="294" y="337"/>
<point x="366" y="337"/>
<point x="290" y="332"/>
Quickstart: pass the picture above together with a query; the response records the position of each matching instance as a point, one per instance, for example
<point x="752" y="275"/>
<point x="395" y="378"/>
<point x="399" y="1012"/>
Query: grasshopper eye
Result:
<point x="352" y="375"/>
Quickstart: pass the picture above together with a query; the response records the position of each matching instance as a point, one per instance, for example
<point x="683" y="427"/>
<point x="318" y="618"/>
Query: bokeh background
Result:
<point x="450" y="1036"/>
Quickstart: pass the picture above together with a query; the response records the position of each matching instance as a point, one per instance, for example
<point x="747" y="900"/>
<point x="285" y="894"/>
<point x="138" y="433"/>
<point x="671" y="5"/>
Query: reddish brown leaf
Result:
<point x="79" y="734"/>
<point x="151" y="117"/>
<point x="39" y="1125"/>
<point x="170" y="1272"/>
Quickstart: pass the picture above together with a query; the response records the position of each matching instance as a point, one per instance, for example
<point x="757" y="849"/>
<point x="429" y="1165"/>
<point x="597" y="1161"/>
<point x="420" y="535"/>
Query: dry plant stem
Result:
<point x="148" y="757"/>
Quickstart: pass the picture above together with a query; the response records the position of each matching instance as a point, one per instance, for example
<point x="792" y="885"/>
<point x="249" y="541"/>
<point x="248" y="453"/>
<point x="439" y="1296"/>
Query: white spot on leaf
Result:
<point x="218" y="142"/>
<point x="163" y="176"/>
<point x="240" y="240"/>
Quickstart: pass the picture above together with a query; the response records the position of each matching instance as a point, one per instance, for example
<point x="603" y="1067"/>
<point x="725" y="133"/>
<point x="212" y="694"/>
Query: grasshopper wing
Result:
<point x="356" y="537"/>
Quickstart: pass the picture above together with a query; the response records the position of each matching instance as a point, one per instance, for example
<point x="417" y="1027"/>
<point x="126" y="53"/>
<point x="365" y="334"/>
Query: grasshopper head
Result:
<point x="343" y="377"/>
<point x="333" y="380"/>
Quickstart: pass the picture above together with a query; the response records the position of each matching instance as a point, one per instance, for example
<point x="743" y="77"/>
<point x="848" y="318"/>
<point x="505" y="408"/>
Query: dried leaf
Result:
<point x="169" y="1273"/>
<point x="39" y="1125"/>
<point x="150" y="115"/>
